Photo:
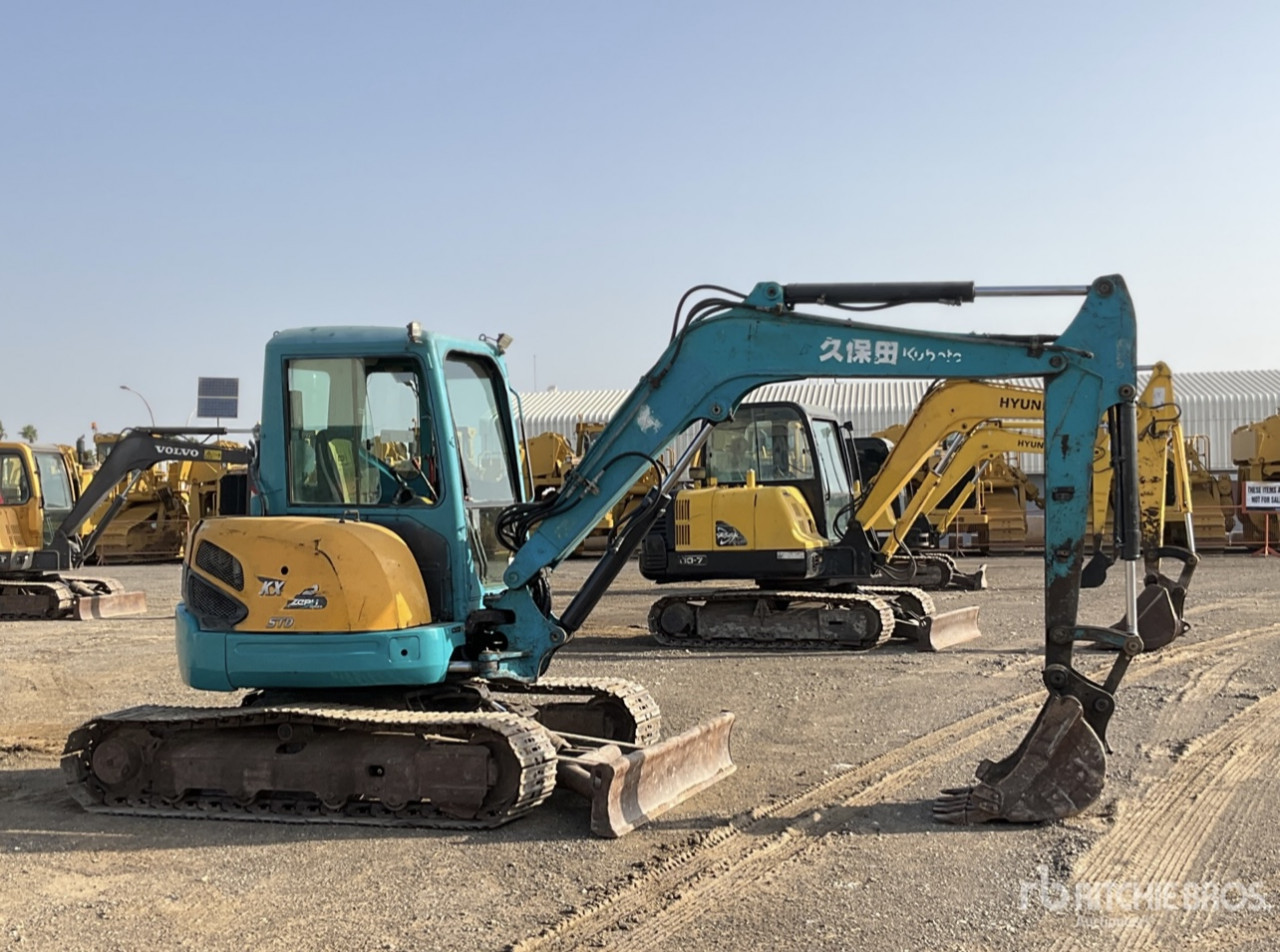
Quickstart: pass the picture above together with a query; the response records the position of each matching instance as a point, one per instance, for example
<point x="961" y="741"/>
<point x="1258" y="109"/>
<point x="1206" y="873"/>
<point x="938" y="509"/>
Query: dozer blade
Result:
<point x="109" y="606"/>
<point x="1057" y="771"/>
<point x="628" y="790"/>
<point x="949" y="628"/>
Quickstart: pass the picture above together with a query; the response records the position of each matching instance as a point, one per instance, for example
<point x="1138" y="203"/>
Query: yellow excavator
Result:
<point x="990" y="509"/>
<point x="40" y="485"/>
<point x="954" y="476"/>
<point x="1164" y="490"/>
<point x="785" y="497"/>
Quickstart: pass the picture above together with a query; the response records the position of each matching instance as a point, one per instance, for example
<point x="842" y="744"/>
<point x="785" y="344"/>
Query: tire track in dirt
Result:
<point x="1169" y="834"/>
<point x="648" y="910"/>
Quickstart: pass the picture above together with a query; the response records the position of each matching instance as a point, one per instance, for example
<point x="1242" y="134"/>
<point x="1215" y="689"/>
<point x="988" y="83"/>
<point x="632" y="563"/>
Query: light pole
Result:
<point x="144" y="402"/>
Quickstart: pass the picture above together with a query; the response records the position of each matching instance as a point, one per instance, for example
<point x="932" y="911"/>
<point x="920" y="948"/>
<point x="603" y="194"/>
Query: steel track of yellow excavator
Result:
<point x="80" y="597"/>
<point x="808" y="620"/>
<point x="306" y="763"/>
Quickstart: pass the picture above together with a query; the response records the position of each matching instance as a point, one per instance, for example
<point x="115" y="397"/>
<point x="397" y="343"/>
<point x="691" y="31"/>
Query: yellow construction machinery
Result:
<point x="990" y="508"/>
<point x="1213" y="508"/>
<point x="39" y="488"/>
<point x="1255" y="450"/>
<point x="959" y="473"/>
<point x="153" y="511"/>
<point x="550" y="458"/>
<point x="800" y="519"/>
<point x="44" y="513"/>
<point x="397" y="622"/>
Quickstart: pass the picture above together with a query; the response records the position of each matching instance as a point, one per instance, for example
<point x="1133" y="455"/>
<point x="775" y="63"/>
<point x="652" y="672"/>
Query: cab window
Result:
<point x="15" y="487"/>
<point x="359" y="433"/>
<point x="55" y="483"/>
<point x="772" y="441"/>
<point x="486" y="455"/>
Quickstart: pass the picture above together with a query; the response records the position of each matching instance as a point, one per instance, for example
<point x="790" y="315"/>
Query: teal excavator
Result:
<point x="385" y="605"/>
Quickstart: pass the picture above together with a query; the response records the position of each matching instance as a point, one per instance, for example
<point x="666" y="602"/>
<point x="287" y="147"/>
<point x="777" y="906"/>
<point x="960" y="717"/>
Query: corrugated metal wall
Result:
<point x="1213" y="404"/>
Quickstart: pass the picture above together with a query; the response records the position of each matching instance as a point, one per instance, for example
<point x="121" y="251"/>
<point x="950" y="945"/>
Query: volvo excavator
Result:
<point x="44" y="514"/>
<point x="394" y="624"/>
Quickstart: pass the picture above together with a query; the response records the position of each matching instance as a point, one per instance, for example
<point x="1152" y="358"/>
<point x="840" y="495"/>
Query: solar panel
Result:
<point x="218" y="398"/>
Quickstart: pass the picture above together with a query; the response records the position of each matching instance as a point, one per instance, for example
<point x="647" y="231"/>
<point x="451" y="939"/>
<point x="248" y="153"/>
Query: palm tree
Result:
<point x="29" y="433"/>
<point x="3" y="434"/>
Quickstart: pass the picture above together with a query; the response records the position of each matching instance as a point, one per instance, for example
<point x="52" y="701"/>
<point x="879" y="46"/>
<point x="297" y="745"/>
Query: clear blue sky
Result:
<point x="182" y="179"/>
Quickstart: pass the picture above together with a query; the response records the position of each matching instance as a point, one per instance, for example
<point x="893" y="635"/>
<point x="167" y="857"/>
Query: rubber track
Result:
<point x="526" y="741"/>
<point x="633" y="696"/>
<point x="881" y="606"/>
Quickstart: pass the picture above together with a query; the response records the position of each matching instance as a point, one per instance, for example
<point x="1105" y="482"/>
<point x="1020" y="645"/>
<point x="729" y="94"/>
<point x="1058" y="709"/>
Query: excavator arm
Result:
<point x="982" y="443"/>
<point x="135" y="453"/>
<point x="950" y="406"/>
<point x="731" y="348"/>
<point x="716" y="360"/>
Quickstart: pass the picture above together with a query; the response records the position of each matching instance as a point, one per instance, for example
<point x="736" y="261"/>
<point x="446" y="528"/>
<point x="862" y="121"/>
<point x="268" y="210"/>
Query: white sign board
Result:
<point x="1262" y="496"/>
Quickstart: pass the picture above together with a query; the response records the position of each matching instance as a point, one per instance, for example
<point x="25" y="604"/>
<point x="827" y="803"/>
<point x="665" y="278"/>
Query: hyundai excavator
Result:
<point x="1164" y="487"/>
<point x="797" y="525"/>
<point x="981" y="472"/>
<point x="780" y="490"/>
<point x="43" y="512"/>
<point x="395" y="624"/>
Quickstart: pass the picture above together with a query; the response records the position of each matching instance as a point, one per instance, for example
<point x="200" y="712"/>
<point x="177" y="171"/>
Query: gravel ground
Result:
<point x="821" y="839"/>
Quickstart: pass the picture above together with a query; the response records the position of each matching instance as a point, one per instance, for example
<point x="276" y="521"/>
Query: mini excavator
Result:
<point x="394" y="622"/>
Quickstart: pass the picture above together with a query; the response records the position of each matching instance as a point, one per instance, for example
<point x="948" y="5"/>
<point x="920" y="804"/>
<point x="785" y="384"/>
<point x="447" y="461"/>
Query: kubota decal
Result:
<point x="309" y="597"/>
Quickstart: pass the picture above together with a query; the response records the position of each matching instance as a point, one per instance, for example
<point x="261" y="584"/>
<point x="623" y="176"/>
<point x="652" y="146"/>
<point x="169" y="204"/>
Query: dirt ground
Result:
<point x="822" y="839"/>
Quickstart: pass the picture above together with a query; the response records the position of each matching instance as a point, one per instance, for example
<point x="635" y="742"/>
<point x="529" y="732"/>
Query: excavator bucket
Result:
<point x="974" y="581"/>
<point x="949" y="628"/>
<point x="627" y="790"/>
<point x="1162" y="601"/>
<point x="1057" y="771"/>
<point x="1158" y="621"/>
<point x="1094" y="574"/>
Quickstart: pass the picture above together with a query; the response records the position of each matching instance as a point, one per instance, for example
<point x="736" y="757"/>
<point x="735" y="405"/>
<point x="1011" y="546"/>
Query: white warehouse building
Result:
<point x="1213" y="404"/>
